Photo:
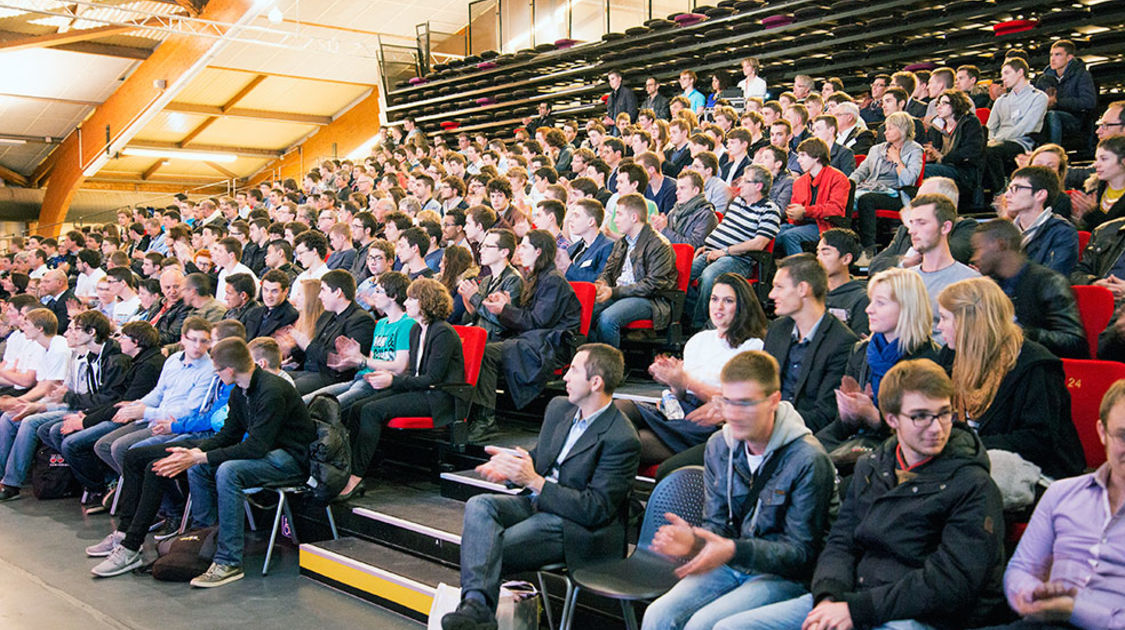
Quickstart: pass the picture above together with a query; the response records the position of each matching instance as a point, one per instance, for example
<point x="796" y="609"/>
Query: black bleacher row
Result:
<point x="847" y="38"/>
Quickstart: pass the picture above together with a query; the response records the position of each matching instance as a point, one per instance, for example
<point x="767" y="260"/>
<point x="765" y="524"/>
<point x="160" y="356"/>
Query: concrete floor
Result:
<point x="46" y="583"/>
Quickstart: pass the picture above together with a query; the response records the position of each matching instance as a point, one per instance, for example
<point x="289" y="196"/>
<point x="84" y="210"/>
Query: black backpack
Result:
<point x="330" y="454"/>
<point x="51" y="477"/>
<point x="187" y="556"/>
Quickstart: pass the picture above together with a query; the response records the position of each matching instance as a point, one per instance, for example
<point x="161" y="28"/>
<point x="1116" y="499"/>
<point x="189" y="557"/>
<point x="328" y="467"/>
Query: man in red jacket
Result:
<point x="821" y="193"/>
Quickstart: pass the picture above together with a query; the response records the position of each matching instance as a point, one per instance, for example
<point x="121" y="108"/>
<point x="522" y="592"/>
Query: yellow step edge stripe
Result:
<point x="366" y="582"/>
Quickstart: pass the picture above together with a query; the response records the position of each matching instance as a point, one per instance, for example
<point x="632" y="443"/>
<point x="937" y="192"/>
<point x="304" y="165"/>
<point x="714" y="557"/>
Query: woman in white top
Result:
<point x="739" y="325"/>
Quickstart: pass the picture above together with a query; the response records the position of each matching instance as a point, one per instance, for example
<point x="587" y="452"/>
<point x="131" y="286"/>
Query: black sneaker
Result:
<point x="470" y="615"/>
<point x="93" y="504"/>
<point x="170" y="529"/>
<point x="8" y="493"/>
<point x="483" y="429"/>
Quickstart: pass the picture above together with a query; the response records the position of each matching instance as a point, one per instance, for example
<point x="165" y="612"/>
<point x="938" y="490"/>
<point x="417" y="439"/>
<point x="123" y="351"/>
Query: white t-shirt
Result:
<point x="706" y="353"/>
<point x="221" y="289"/>
<point x="308" y="274"/>
<point x="123" y="310"/>
<point x="86" y="287"/>
<point x="16" y="351"/>
<point x="751" y="88"/>
<point x="50" y="363"/>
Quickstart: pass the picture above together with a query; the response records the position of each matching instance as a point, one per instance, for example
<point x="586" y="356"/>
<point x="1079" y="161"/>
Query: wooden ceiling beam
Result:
<point x="221" y="169"/>
<point x="150" y="171"/>
<point x="107" y="50"/>
<point x="239" y="112"/>
<point x="58" y="39"/>
<point x="158" y="186"/>
<point x="43" y="171"/>
<point x="194" y="133"/>
<point x="215" y="148"/>
<point x="12" y="177"/>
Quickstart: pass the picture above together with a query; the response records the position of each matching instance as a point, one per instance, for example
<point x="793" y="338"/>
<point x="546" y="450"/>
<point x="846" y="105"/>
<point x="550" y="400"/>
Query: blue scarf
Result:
<point x="881" y="357"/>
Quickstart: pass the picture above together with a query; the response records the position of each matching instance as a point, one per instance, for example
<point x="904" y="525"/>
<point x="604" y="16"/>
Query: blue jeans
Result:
<point x="18" y="442"/>
<point x="698" y="298"/>
<point x="216" y="495"/>
<point x="790" y="237"/>
<point x="1057" y="123"/>
<point x="78" y="450"/>
<point x="611" y="316"/>
<point x="699" y="602"/>
<point x="789" y="615"/>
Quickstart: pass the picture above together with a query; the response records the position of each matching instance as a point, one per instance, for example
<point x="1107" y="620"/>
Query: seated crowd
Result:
<point x="863" y="450"/>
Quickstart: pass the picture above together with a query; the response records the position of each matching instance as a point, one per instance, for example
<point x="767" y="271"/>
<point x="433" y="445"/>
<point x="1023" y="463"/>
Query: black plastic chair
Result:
<point x="645" y="575"/>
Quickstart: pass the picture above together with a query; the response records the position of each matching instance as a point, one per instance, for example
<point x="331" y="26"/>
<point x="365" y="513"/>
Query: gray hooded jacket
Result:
<point x="783" y="533"/>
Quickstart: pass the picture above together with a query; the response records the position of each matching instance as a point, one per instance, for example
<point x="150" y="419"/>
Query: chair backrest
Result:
<point x="1083" y="240"/>
<point x="684" y="254"/>
<point x="1095" y="306"/>
<point x="859" y="158"/>
<point x="586" y="292"/>
<point x="473" y="339"/>
<point x="719" y="216"/>
<point x="922" y="173"/>
<point x="680" y="493"/>
<point x="1087" y="381"/>
<point x="982" y="115"/>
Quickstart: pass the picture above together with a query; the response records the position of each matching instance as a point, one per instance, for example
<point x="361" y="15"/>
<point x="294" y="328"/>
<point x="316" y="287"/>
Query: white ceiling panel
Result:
<point x="61" y="74"/>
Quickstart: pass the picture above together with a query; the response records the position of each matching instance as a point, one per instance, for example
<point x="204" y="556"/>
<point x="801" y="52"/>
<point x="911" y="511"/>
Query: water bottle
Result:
<point x="670" y="406"/>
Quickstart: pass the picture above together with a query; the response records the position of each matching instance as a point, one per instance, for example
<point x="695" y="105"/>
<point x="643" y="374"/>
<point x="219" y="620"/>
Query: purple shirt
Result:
<point x="1073" y="538"/>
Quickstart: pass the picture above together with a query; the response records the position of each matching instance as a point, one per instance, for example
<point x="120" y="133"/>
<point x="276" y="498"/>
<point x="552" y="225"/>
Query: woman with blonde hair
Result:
<point x="901" y="322"/>
<point x="309" y="310"/>
<point x="1010" y="390"/>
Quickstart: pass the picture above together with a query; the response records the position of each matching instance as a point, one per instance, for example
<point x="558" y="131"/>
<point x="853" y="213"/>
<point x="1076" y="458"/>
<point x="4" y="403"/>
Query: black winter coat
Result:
<point x="929" y="548"/>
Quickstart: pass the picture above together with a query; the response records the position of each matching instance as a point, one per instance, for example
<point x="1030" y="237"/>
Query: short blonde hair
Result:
<point x="903" y="122"/>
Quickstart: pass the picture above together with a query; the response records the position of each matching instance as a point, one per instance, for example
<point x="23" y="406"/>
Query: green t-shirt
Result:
<point x="390" y="338"/>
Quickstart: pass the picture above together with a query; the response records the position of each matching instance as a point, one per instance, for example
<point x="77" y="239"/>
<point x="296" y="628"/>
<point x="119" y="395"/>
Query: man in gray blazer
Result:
<point x="576" y="483"/>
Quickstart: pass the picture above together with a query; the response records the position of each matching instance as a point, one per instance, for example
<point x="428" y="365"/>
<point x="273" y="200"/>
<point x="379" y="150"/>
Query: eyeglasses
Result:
<point x="737" y="403"/>
<point x="924" y="419"/>
<point x="1015" y="188"/>
<point x="1102" y="123"/>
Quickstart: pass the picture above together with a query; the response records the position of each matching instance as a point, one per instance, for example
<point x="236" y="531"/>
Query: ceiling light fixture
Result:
<point x="12" y="141"/>
<point x="275" y="16"/>
<point x="175" y="154"/>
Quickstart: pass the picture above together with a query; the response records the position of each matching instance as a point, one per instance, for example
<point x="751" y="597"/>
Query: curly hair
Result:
<point x="434" y="301"/>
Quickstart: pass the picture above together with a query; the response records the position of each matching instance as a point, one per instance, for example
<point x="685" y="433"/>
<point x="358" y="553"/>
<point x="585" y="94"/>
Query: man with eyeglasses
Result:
<point x="1111" y="123"/>
<point x="1065" y="571"/>
<point x="365" y="228"/>
<point x="769" y="487"/>
<point x="919" y="541"/>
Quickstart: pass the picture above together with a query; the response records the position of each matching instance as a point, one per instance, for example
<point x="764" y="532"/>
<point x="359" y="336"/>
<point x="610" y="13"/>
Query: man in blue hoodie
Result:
<point x="770" y="488"/>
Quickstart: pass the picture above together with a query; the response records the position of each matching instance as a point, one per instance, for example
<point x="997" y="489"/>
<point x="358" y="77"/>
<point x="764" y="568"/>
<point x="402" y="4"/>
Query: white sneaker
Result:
<point x="120" y="560"/>
<point x="106" y="546"/>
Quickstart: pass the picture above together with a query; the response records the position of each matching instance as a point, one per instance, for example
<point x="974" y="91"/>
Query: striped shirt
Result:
<point x="744" y="221"/>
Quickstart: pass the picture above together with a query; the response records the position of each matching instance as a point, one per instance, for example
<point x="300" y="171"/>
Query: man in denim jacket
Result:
<point x="750" y="551"/>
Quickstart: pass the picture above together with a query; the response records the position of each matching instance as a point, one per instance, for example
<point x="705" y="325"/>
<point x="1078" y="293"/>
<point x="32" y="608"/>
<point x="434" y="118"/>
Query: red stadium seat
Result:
<point x="1087" y="382"/>
<point x="859" y="159"/>
<point x="684" y="255"/>
<point x="983" y="114"/>
<point x="473" y="339"/>
<point x="1083" y="240"/>
<point x="1095" y="306"/>
<point x="719" y="216"/>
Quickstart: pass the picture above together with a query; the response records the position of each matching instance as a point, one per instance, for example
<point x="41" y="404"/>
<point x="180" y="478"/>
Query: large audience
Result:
<point x="868" y="433"/>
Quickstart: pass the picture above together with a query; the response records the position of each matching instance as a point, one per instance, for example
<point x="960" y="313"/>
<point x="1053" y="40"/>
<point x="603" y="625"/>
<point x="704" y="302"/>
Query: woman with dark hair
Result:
<point x="719" y="82"/>
<point x="432" y="384"/>
<point x="739" y="325"/>
<point x="456" y="264"/>
<point x="148" y="290"/>
<point x="543" y="324"/>
<point x="955" y="146"/>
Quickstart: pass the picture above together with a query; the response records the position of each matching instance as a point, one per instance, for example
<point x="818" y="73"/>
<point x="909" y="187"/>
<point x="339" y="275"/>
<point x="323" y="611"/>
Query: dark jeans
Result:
<point x="690" y="457"/>
<point x="142" y="491"/>
<point x="484" y="395"/>
<point x="309" y="382"/>
<point x="78" y="450"/>
<point x="505" y="534"/>
<point x="865" y="207"/>
<point x="999" y="162"/>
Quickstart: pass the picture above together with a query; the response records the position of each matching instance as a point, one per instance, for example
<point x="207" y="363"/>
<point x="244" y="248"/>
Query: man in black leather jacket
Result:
<point x="1044" y="301"/>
